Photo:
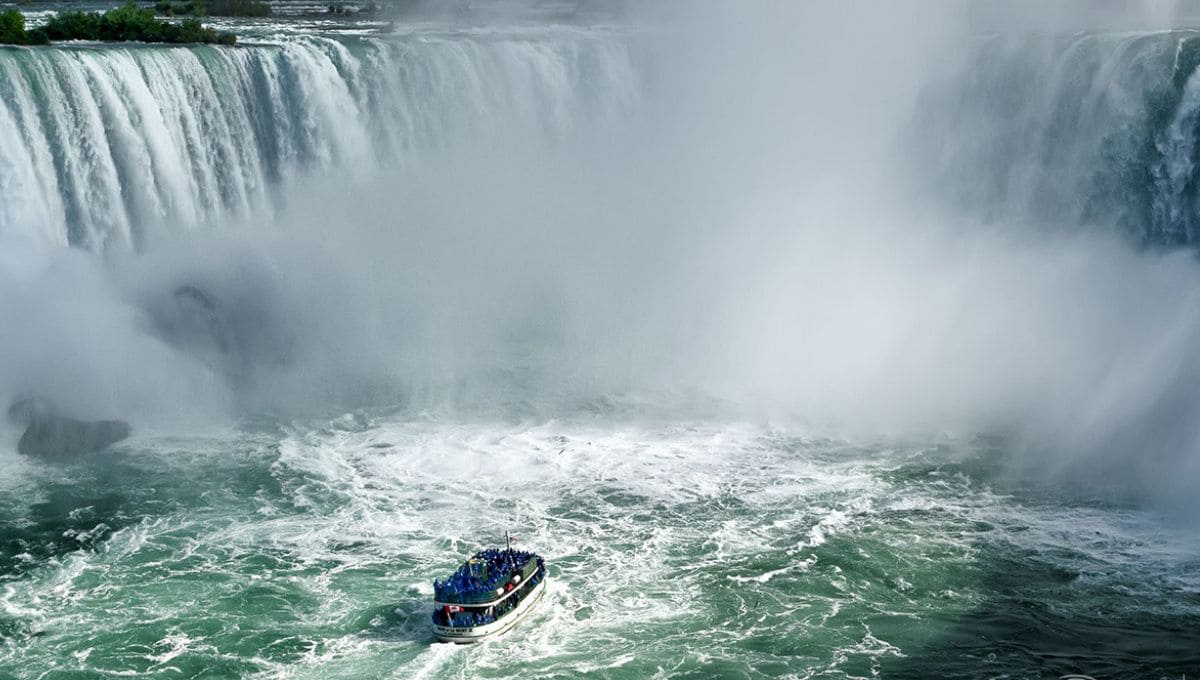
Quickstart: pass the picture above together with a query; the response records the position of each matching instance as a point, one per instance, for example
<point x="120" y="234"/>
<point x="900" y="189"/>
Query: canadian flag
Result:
<point x="453" y="609"/>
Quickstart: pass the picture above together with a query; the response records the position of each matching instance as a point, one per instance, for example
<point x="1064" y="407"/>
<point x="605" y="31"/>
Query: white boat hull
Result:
<point x="464" y="635"/>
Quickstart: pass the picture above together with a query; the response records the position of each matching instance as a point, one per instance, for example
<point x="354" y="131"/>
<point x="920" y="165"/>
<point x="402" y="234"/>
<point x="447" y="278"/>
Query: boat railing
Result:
<point x="495" y="611"/>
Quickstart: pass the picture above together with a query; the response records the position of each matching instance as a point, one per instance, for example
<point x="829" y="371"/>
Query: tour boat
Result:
<point x="487" y="595"/>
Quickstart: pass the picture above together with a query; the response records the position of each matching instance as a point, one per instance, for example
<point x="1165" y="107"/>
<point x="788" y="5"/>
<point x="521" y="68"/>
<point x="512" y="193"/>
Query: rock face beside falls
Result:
<point x="49" y="434"/>
<point x="58" y="436"/>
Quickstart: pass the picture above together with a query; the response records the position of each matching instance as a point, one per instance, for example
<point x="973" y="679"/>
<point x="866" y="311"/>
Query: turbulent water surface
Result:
<point x="685" y="550"/>
<point x="373" y="295"/>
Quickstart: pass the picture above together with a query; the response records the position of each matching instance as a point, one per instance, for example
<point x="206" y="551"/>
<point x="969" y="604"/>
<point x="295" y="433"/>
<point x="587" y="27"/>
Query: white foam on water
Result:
<point x="453" y="479"/>
<point x="664" y="541"/>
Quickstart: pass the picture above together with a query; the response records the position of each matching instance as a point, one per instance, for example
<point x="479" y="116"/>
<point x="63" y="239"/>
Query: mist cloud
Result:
<point x="749" y="233"/>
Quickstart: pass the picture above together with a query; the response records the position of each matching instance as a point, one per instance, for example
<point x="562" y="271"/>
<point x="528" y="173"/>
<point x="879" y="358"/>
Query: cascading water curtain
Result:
<point x="1098" y="129"/>
<point x="100" y="147"/>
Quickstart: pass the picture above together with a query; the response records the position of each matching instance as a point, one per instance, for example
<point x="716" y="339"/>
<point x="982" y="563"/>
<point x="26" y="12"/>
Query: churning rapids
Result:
<point x="801" y="341"/>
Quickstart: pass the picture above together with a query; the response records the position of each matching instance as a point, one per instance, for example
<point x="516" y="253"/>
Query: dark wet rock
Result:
<point x="24" y="411"/>
<point x="47" y="433"/>
<point x="237" y="333"/>
<point x="59" y="436"/>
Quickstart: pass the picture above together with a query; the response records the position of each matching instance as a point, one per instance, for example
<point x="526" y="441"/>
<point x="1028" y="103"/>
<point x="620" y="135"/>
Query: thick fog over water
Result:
<point x="746" y="230"/>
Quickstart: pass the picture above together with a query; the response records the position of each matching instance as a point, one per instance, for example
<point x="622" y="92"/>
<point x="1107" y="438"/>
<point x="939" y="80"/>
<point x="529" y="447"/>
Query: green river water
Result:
<point x="711" y="550"/>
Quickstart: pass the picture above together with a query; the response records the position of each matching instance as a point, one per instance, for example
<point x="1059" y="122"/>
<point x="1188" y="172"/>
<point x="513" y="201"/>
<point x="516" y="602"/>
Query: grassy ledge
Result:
<point x="213" y="8"/>
<point x="128" y="23"/>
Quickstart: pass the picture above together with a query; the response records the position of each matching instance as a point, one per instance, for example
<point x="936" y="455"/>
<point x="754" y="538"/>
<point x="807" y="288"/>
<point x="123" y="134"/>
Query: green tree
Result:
<point x="12" y="28"/>
<point x="129" y="23"/>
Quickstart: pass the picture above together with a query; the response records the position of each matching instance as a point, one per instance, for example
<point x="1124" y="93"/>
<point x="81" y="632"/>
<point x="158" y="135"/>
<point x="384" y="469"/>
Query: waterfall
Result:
<point x="1096" y="129"/>
<point x="103" y="147"/>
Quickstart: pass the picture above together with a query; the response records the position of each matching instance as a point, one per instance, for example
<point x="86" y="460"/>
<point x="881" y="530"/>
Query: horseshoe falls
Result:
<point x="105" y="146"/>
<point x="1092" y="128"/>
<point x="803" y="340"/>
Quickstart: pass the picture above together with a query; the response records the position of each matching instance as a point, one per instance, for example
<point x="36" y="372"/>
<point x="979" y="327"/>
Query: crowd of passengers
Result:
<point x="481" y="575"/>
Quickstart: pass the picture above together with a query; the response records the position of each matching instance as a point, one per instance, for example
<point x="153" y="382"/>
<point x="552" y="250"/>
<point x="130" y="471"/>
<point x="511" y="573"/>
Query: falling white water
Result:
<point x="107" y="147"/>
